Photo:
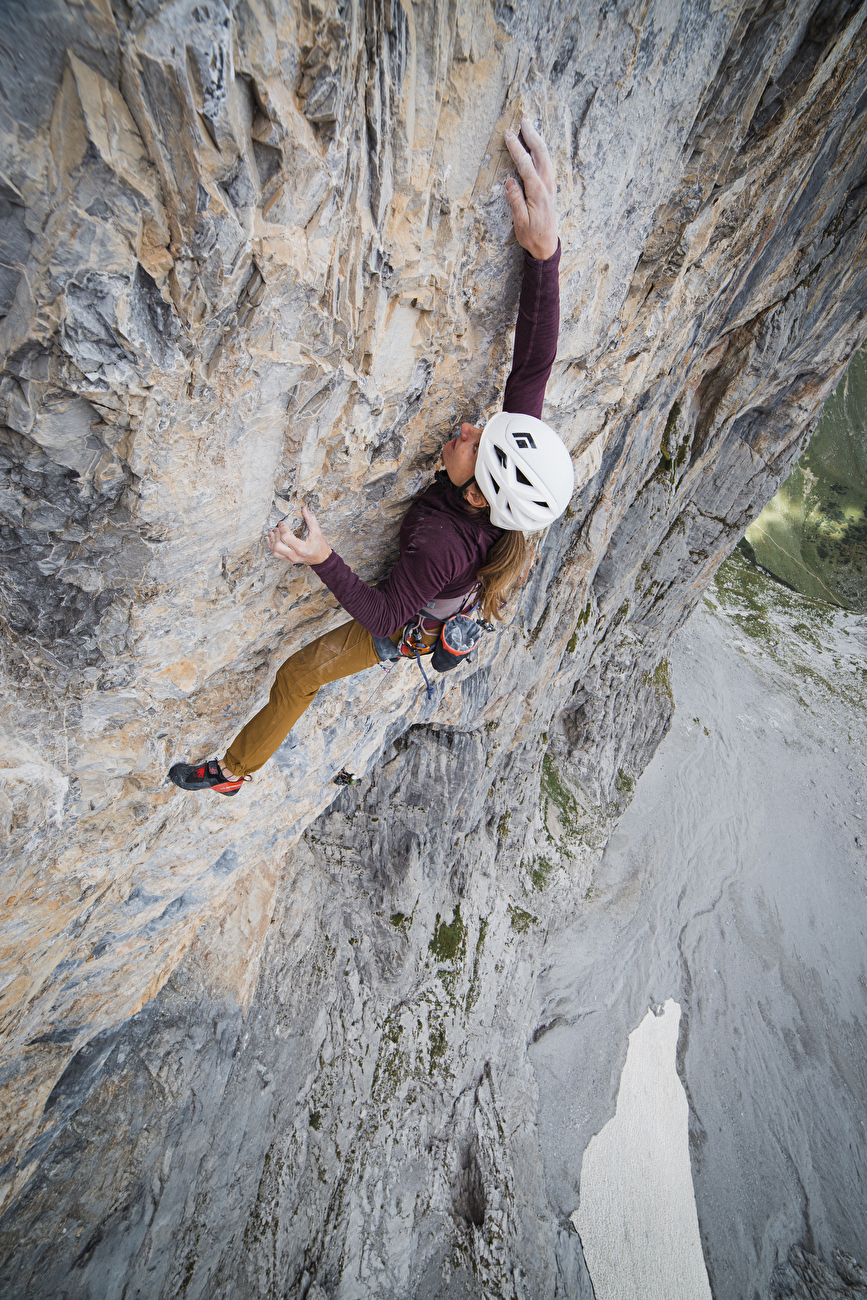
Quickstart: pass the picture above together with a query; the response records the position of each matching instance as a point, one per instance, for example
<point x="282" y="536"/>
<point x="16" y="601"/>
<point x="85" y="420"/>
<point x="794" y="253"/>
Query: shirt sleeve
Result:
<point x="536" y="332"/>
<point x="420" y="574"/>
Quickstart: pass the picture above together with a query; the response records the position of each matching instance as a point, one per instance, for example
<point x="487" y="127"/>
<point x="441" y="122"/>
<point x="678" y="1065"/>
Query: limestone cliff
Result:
<point x="259" y="252"/>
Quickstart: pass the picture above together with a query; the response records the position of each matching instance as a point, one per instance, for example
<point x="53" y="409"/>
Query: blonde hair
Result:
<point x="505" y="568"/>
<point x="506" y="564"/>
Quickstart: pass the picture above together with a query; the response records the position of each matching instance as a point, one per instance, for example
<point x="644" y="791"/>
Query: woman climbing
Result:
<point x="462" y="541"/>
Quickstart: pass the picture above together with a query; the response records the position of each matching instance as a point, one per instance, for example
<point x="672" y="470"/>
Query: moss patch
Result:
<point x="660" y="680"/>
<point x="437" y="1043"/>
<point x="540" y="872"/>
<point x="521" y="920"/>
<point x="473" y="990"/>
<point x="553" y="788"/>
<point x="674" y="449"/>
<point x="625" y="783"/>
<point x="583" y="617"/>
<point x="449" y="941"/>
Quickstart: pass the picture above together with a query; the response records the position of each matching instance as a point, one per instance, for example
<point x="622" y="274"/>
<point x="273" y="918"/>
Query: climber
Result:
<point x="462" y="542"/>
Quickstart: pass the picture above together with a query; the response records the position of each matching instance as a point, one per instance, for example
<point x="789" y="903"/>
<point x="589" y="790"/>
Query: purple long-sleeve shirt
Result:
<point x="442" y="547"/>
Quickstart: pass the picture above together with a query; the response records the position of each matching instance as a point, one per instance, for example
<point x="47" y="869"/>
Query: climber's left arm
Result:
<point x="286" y="546"/>
<point x="534" y="215"/>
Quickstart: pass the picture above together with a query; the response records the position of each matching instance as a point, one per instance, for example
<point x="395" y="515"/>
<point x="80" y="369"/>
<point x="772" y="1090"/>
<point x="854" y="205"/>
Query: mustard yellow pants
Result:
<point x="348" y="649"/>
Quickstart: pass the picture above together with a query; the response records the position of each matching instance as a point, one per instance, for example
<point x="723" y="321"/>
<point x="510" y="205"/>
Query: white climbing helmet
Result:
<point x="524" y="471"/>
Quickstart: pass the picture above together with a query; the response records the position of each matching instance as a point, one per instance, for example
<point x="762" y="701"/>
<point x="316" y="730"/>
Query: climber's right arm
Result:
<point x="534" y="208"/>
<point x="534" y="214"/>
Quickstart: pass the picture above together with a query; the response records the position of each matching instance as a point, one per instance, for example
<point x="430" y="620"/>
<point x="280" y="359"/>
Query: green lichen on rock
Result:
<point x="540" y="872"/>
<point x="189" y="1269"/>
<point x="674" y="449"/>
<point x="392" y="1030"/>
<point x="437" y="1043"/>
<point x="671" y="424"/>
<point x="521" y="920"/>
<point x="660" y="680"/>
<point x="392" y="1063"/>
<point x="473" y="990"/>
<point x="449" y="941"/>
<point x="554" y="789"/>
<point x="583" y="618"/>
<point x="625" y="784"/>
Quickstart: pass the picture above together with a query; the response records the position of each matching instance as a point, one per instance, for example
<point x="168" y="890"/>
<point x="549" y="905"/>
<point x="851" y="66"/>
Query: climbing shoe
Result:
<point x="204" y="776"/>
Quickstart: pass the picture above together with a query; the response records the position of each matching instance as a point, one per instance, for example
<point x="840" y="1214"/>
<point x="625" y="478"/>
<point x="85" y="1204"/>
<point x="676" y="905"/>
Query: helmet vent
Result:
<point x="524" y="441"/>
<point x="522" y="478"/>
<point x="501" y="456"/>
<point x="546" y="505"/>
<point x="496" y="485"/>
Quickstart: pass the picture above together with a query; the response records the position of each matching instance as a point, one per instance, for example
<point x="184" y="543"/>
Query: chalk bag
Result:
<point x="459" y="637"/>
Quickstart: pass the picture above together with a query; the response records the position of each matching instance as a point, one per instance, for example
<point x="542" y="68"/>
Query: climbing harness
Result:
<point x="445" y="631"/>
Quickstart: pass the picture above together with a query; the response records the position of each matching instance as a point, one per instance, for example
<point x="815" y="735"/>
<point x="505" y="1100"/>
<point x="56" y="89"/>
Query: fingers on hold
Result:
<point x="516" y="148"/>
<point x="523" y="160"/>
<point x="530" y="134"/>
<point x="539" y="150"/>
<point x="534" y="140"/>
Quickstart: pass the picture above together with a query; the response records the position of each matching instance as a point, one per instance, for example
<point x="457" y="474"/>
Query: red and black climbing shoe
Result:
<point x="204" y="776"/>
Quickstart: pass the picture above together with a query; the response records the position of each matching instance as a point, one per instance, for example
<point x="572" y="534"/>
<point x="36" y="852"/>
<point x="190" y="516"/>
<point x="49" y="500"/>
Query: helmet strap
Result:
<point x="457" y="488"/>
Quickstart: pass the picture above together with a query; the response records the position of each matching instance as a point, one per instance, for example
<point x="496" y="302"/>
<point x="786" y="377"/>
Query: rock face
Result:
<point x="258" y="254"/>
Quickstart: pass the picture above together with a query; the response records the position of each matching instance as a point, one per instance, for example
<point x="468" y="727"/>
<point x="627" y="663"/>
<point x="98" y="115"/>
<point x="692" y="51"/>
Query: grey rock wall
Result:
<point x="258" y="254"/>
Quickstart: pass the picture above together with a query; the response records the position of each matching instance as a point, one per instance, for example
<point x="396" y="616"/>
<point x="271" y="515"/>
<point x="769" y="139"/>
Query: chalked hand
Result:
<point x="312" y="549"/>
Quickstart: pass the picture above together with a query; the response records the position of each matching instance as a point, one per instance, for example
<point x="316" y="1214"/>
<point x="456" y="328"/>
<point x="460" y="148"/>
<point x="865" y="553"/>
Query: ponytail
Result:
<point x="505" y="568"/>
